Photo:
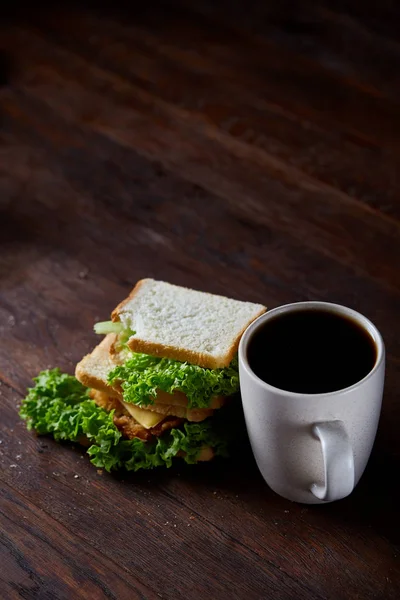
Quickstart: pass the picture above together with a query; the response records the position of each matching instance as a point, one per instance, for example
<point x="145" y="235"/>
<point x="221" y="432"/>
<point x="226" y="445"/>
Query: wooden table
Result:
<point x="252" y="152"/>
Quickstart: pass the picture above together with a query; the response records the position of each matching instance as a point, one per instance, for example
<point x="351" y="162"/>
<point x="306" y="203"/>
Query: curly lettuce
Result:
<point x="59" y="405"/>
<point x="142" y="375"/>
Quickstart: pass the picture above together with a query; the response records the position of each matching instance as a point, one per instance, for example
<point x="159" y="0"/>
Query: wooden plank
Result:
<point x="35" y="549"/>
<point x="188" y="144"/>
<point x="172" y="74"/>
<point x="331" y="34"/>
<point x="285" y="78"/>
<point x="275" y="192"/>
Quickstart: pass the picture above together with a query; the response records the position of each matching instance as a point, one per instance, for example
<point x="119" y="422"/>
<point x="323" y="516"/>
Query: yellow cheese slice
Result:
<point x="146" y="418"/>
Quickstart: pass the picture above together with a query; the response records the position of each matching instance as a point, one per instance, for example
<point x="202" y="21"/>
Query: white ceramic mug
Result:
<point x="312" y="448"/>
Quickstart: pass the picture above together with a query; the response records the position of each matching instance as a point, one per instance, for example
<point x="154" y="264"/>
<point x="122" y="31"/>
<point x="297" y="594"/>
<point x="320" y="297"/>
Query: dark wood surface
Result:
<point x="248" y="149"/>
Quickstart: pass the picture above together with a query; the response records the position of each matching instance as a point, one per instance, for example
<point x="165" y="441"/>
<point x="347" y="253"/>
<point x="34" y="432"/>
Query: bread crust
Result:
<point x="134" y="291"/>
<point x="96" y="384"/>
<point x="89" y="379"/>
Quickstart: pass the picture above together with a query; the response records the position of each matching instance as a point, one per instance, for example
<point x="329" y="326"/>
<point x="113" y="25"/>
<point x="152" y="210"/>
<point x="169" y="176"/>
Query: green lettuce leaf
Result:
<point x="136" y="454"/>
<point x="59" y="405"/>
<point x="142" y="375"/>
<point x="123" y="335"/>
<point x="105" y="327"/>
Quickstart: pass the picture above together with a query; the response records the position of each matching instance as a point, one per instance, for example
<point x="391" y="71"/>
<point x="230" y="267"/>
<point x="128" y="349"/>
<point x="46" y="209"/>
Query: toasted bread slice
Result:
<point x="93" y="369"/>
<point x="183" y="324"/>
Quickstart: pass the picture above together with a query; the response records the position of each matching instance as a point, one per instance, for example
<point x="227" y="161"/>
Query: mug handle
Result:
<point x="338" y="461"/>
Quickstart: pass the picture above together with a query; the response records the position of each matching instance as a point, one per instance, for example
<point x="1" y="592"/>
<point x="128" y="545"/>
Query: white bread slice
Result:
<point x="183" y="324"/>
<point x="93" y="369"/>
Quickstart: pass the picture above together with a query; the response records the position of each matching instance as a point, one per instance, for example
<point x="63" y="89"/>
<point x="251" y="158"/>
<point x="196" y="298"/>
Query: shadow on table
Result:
<point x="372" y="505"/>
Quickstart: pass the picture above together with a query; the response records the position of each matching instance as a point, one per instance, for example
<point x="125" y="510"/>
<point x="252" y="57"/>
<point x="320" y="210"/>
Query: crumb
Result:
<point x="76" y="476"/>
<point x="13" y="466"/>
<point x="84" y="273"/>
<point x="191" y="517"/>
<point x="99" y="471"/>
<point x="18" y="456"/>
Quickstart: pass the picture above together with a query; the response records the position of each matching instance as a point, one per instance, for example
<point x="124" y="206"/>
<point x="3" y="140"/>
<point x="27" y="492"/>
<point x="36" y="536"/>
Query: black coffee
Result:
<point x="311" y="351"/>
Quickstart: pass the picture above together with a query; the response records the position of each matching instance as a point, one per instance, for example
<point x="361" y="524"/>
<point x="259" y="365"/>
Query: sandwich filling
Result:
<point x="136" y="423"/>
<point x="142" y="376"/>
<point x="131" y="409"/>
<point x="60" y="405"/>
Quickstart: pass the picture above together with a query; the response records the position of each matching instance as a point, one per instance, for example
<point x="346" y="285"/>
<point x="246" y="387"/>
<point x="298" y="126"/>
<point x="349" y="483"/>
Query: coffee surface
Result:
<point x="311" y="351"/>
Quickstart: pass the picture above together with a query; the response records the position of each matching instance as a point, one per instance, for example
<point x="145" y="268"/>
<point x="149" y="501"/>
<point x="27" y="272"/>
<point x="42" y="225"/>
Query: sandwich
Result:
<point x="156" y="387"/>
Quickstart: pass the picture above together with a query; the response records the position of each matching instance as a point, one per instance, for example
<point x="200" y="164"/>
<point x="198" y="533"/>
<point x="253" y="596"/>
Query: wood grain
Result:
<point x="249" y="150"/>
